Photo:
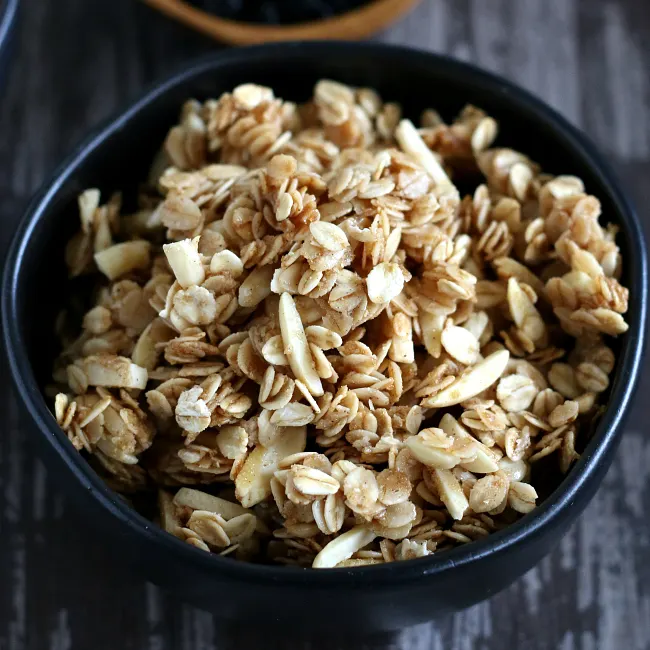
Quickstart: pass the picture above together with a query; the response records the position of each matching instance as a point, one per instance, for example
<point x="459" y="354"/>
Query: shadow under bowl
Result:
<point x="118" y="156"/>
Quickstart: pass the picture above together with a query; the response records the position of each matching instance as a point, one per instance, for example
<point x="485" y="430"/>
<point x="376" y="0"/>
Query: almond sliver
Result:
<point x="253" y="482"/>
<point x="296" y="347"/>
<point x="120" y="259"/>
<point x="114" y="372"/>
<point x="343" y="547"/>
<point x="451" y="493"/>
<point x="412" y="143"/>
<point x="185" y="260"/>
<point x="473" y="382"/>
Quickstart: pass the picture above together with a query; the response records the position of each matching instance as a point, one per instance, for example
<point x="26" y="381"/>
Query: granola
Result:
<point x="317" y="351"/>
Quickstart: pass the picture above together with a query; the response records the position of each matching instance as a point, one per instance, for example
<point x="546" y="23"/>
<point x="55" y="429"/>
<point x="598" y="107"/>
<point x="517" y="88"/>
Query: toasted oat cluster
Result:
<point x="317" y="350"/>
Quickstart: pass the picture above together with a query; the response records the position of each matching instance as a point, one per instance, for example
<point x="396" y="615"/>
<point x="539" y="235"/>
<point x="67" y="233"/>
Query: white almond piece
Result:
<point x="296" y="347"/>
<point x="329" y="236"/>
<point x="515" y="470"/>
<point x="147" y="350"/>
<point x="253" y="482"/>
<point x="120" y="259"/>
<point x="88" y="203"/>
<point x="431" y="326"/>
<point x="431" y="456"/>
<point x="412" y="143"/>
<point x="485" y="461"/>
<point x="451" y="493"/>
<point x="226" y="262"/>
<point x="473" y="382"/>
<point x="385" y="282"/>
<point x="198" y="500"/>
<point x="343" y="547"/>
<point x="144" y="353"/>
<point x="461" y="344"/>
<point x="185" y="260"/>
<point x="114" y="372"/>
<point x="256" y="286"/>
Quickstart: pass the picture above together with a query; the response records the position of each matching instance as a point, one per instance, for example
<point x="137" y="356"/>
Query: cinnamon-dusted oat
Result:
<point x="318" y="351"/>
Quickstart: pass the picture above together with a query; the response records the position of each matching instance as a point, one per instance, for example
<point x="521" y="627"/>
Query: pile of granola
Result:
<point x="319" y="352"/>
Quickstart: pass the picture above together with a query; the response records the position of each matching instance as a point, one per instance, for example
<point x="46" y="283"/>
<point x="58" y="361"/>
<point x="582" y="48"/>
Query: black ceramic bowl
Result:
<point x="8" y="18"/>
<point x="376" y="597"/>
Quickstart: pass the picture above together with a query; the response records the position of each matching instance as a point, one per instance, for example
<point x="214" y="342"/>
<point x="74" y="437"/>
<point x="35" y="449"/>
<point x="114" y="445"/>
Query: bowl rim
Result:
<point x="603" y="439"/>
<point x="8" y="15"/>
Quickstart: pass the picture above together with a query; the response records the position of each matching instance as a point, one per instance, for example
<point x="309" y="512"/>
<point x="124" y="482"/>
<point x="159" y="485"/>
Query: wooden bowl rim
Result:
<point x="353" y="24"/>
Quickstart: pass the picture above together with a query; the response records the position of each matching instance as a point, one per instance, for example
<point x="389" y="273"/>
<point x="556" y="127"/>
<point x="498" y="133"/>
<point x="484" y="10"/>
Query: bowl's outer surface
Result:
<point x="8" y="18"/>
<point x="379" y="597"/>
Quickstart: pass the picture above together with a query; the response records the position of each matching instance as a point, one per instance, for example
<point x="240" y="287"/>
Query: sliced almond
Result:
<point x="296" y="347"/>
<point x="474" y="381"/>
<point x="253" y="482"/>
<point x="226" y="262"/>
<point x="485" y="461"/>
<point x="515" y="470"/>
<point x="343" y="547"/>
<point x="169" y="519"/>
<point x="431" y="326"/>
<point x="256" y="286"/>
<point x="412" y="143"/>
<point x="198" y="500"/>
<point x="120" y="259"/>
<point x="145" y="353"/>
<point x="114" y="372"/>
<point x="431" y="456"/>
<point x="185" y="260"/>
<point x="451" y="493"/>
<point x="88" y="202"/>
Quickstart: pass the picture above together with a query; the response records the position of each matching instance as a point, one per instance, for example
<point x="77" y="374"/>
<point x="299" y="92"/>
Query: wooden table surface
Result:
<point x="77" y="61"/>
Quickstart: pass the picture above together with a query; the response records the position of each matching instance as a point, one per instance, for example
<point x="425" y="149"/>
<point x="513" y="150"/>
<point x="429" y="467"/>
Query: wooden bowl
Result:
<point x="352" y="25"/>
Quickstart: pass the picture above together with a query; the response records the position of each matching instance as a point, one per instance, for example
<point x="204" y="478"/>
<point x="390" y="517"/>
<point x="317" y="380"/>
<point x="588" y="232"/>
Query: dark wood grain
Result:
<point x="77" y="61"/>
